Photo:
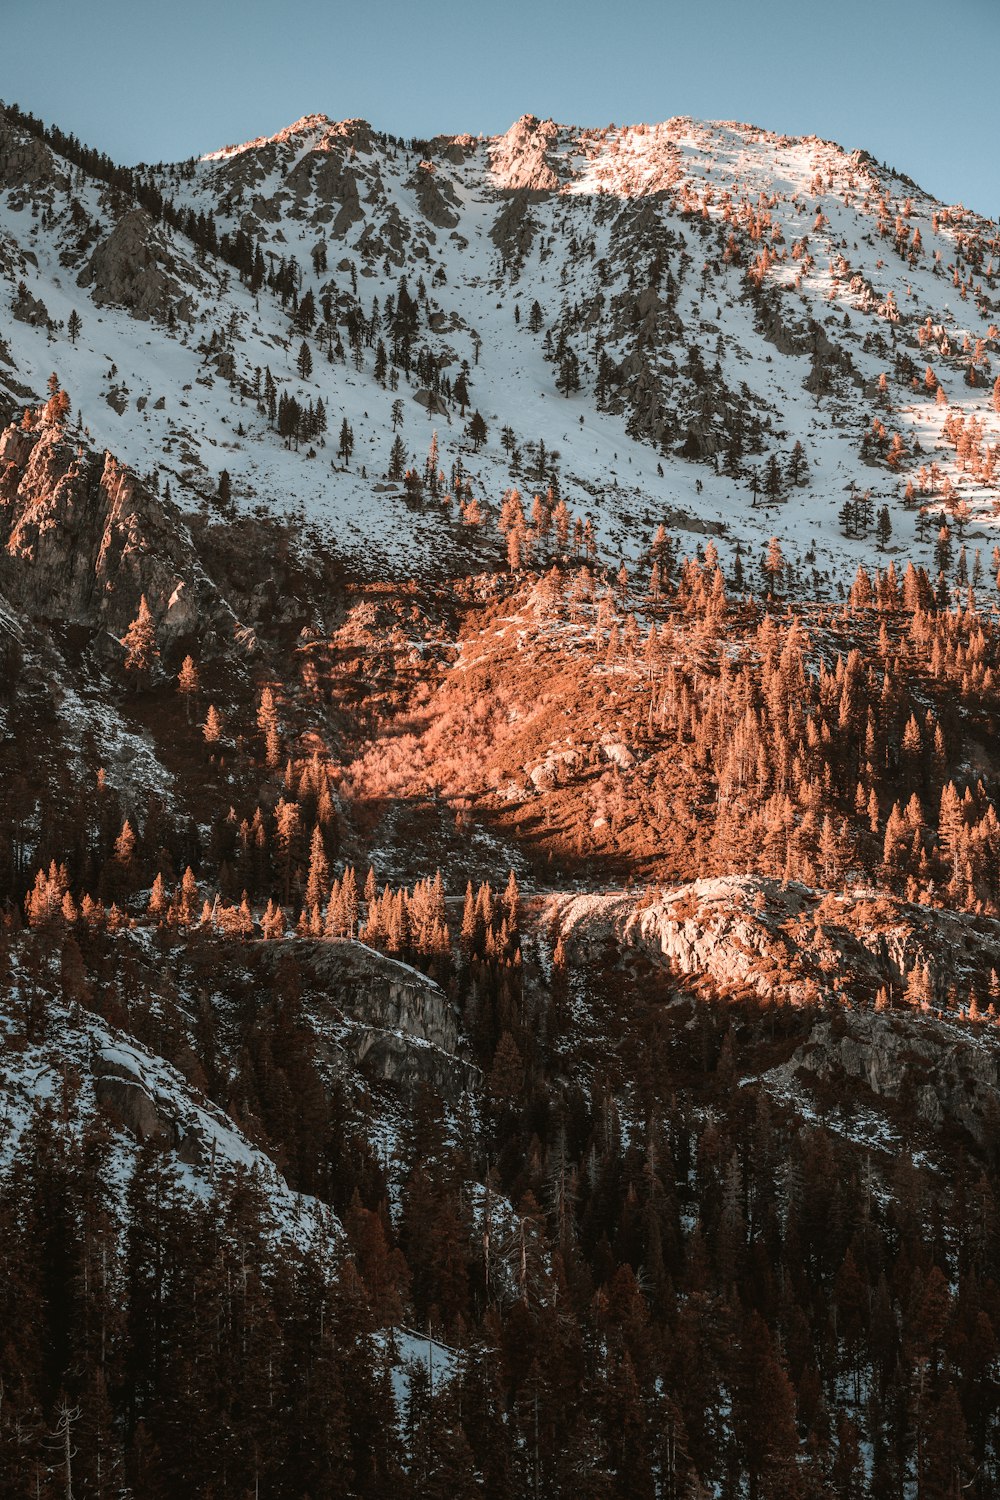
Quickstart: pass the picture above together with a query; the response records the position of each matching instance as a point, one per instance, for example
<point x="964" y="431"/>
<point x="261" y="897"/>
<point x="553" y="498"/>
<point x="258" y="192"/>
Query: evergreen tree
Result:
<point x="139" y="642"/>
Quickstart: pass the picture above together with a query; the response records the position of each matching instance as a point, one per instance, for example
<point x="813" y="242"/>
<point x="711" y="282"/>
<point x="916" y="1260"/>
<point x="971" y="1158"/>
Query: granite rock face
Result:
<point x="435" y="196"/>
<point x="787" y="943"/>
<point x="946" y="1074"/>
<point x="520" y="159"/>
<point x="392" y="1021"/>
<point x="132" y="267"/>
<point x="25" y="161"/>
<point x="82" y="540"/>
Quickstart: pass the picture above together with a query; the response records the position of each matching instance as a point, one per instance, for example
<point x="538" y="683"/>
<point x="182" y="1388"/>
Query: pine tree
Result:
<point x="74" y="327"/>
<point x="304" y="361"/>
<point x="943" y="552"/>
<point x="773" y="483"/>
<point x="318" y="882"/>
<point x="773" y="565"/>
<point x="883" y="528"/>
<point x="349" y="897"/>
<point x="140" y="642"/>
<point x="188" y="683"/>
<point x="397" y="458"/>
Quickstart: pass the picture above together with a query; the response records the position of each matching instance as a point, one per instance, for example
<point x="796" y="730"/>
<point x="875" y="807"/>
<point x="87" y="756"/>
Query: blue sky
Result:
<point x="911" y="82"/>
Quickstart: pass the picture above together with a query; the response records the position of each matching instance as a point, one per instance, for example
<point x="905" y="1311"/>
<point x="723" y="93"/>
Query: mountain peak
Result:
<point x="305" y="125"/>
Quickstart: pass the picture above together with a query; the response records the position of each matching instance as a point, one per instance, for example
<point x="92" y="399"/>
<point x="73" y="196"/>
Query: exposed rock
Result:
<point x="131" y="1107"/>
<point x="783" y="942"/>
<point x="401" y="1026"/>
<point x="436" y="198"/>
<point x="618" y="753"/>
<point x="335" y="185"/>
<point x="455" y="149"/>
<point x="431" y="400"/>
<point x="83" y="540"/>
<point x="515" y="228"/>
<point x="28" y="309"/>
<point x="133" y="268"/>
<point x="948" y="1074"/>
<point x="25" y="161"/>
<point x="520" y="159"/>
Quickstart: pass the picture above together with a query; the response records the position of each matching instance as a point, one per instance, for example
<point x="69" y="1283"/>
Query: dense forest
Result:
<point x="690" y="1288"/>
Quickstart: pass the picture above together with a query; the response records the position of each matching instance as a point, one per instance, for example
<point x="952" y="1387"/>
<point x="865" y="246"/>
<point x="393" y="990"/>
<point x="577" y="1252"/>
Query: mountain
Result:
<point x="688" y="301"/>
<point x="499" y="867"/>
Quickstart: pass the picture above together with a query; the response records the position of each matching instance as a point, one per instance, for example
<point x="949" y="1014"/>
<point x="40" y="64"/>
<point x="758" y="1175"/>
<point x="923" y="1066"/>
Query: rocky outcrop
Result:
<point x="436" y="198"/>
<point x="786" y="942"/>
<point x="133" y="1109"/>
<point x="28" y="309"/>
<point x="398" y="1025"/>
<point x="455" y="149"/>
<point x="25" y="161"/>
<point x="515" y="228"/>
<point x="521" y="157"/>
<point x="334" y="187"/>
<point x="431" y="401"/>
<point x="946" y="1074"/>
<point x="131" y="1098"/>
<point x="133" y="268"/>
<point x="308" y="169"/>
<point x="83" y="540"/>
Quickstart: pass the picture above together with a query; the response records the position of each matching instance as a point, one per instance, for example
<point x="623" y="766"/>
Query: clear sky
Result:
<point x="912" y="81"/>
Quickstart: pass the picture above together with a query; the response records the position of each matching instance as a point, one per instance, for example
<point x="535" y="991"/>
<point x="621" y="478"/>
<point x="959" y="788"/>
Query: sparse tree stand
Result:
<point x="345" y="446"/>
<point x="56" y="408"/>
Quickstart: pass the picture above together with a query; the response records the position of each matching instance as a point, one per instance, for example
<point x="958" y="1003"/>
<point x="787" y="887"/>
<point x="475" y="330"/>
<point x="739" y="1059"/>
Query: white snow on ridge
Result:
<point x="607" y="475"/>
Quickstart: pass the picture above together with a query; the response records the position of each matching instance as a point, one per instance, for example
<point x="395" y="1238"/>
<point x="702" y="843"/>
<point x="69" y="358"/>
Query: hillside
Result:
<point x="499" y="855"/>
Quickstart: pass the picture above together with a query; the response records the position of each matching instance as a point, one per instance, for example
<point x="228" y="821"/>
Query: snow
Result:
<point x="90" y="1048"/>
<point x="410" y="1350"/>
<point x="605" y="474"/>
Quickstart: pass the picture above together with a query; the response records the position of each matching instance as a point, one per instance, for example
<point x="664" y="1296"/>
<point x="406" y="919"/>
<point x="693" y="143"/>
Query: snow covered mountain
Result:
<point x="498" y="819"/>
<point x="705" y="325"/>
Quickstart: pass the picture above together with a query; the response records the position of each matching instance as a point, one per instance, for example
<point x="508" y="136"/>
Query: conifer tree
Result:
<point x="188" y="683"/>
<point x="139" y="642"/>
